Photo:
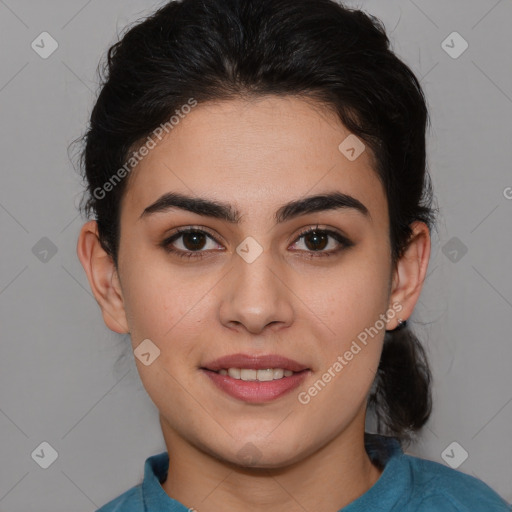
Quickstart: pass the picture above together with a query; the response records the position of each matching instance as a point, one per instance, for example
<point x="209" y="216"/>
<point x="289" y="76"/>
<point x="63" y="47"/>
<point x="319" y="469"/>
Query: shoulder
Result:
<point x="438" y="487"/>
<point x="129" y="501"/>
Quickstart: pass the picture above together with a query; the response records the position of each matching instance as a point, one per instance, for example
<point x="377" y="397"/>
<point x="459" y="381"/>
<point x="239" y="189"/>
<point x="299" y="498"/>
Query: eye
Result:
<point x="316" y="240"/>
<point x="193" y="240"/>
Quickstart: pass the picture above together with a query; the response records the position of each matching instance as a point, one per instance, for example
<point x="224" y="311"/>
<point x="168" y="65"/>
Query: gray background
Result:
<point x="60" y="378"/>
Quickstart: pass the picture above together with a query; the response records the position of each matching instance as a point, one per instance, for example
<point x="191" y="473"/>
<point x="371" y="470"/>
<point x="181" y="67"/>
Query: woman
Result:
<point x="257" y="174"/>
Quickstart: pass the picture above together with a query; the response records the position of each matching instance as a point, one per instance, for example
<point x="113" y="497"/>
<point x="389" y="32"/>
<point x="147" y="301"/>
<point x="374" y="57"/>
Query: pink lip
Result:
<point x="256" y="362"/>
<point x="256" y="391"/>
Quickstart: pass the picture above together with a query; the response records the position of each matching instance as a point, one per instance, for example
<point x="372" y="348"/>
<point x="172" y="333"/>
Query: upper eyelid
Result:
<point x="182" y="231"/>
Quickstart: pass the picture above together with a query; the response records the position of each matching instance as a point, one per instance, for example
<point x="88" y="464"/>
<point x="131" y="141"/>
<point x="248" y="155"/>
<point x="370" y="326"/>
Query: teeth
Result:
<point x="261" y="375"/>
<point x="234" y="372"/>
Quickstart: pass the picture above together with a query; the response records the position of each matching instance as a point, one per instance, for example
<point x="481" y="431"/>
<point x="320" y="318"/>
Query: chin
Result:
<point x="260" y="455"/>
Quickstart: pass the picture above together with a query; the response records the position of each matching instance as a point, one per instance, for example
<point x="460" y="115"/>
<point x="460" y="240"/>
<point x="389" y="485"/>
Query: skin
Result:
<point x="257" y="155"/>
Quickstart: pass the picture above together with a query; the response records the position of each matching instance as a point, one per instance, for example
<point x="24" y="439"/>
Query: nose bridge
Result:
<point x="256" y="295"/>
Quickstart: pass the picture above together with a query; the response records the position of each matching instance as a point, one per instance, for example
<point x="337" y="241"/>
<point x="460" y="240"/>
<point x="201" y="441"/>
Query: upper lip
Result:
<point x="261" y="362"/>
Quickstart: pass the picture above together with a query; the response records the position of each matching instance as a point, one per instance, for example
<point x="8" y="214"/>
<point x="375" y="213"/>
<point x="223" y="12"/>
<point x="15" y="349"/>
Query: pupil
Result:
<point x="192" y="241"/>
<point x="316" y="236"/>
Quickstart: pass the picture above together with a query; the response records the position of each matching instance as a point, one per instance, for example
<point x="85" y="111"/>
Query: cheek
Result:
<point x="356" y="293"/>
<point x="354" y="297"/>
<point x="161" y="300"/>
<point x="166" y="307"/>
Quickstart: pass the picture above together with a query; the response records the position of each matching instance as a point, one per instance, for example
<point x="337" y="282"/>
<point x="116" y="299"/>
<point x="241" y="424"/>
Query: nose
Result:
<point x="256" y="295"/>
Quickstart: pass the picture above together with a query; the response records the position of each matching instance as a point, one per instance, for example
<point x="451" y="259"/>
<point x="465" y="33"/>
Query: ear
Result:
<point x="410" y="271"/>
<point x="103" y="277"/>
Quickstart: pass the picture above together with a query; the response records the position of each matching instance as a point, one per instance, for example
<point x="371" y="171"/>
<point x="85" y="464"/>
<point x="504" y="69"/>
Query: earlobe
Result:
<point x="410" y="271"/>
<point x="103" y="279"/>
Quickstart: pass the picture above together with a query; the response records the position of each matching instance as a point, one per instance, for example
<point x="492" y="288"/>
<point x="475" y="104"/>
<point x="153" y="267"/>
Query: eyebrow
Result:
<point x="224" y="211"/>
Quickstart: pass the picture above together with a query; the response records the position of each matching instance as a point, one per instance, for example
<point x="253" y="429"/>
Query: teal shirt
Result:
<point x="407" y="484"/>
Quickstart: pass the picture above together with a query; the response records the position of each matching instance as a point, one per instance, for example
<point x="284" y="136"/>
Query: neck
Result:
<point x="328" y="479"/>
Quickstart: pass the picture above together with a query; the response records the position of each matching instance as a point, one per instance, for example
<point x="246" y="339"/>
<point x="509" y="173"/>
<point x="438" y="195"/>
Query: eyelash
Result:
<point x="345" y="242"/>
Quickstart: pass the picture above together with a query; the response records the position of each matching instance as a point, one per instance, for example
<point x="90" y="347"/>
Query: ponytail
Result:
<point x="401" y="397"/>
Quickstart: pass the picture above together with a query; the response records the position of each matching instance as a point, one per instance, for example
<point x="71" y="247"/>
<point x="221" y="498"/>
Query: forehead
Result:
<point x="260" y="151"/>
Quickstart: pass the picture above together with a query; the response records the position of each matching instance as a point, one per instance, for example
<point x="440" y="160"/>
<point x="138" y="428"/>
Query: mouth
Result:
<point x="255" y="379"/>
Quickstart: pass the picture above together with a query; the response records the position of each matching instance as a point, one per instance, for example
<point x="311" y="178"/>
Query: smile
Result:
<point x="249" y="385"/>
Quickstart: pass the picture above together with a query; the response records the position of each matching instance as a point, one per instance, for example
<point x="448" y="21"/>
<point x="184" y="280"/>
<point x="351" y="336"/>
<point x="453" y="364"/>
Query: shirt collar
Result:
<point x="393" y="487"/>
<point x="153" y="494"/>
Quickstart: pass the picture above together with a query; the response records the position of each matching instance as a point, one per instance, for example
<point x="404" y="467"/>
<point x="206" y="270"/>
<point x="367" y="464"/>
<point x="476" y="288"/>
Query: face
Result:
<point x="257" y="283"/>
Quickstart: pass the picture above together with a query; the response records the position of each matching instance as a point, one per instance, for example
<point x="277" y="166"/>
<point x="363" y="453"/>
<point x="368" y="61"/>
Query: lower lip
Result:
<point x="254" y="391"/>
